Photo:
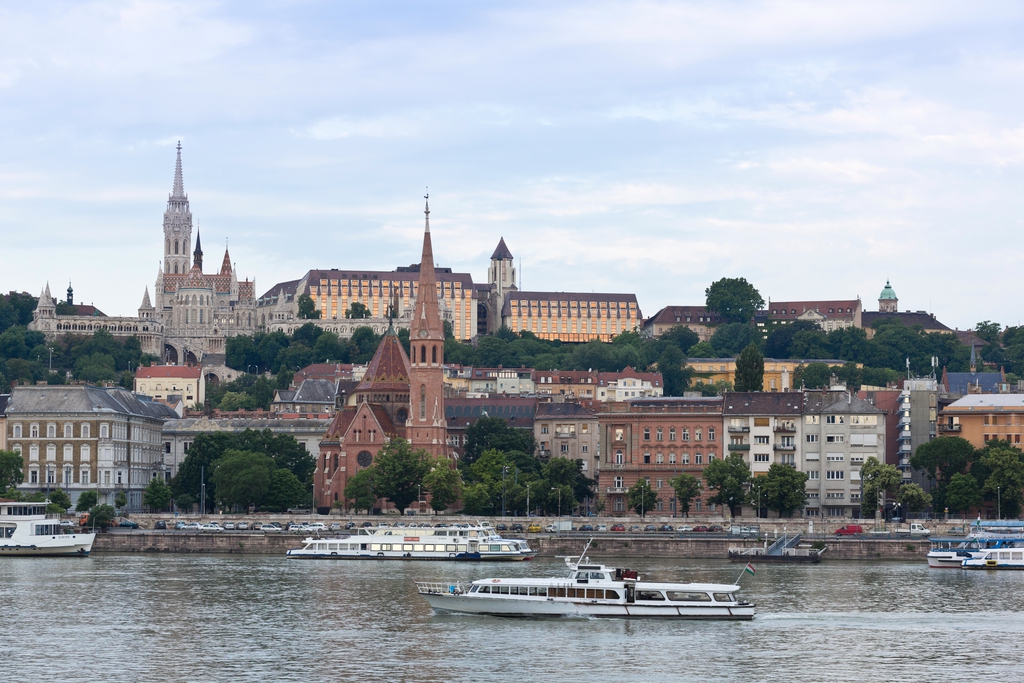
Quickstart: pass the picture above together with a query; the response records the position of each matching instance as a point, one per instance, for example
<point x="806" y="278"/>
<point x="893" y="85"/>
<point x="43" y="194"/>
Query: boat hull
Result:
<point x="945" y="560"/>
<point x="544" y="607"/>
<point x="299" y="554"/>
<point x="76" y="545"/>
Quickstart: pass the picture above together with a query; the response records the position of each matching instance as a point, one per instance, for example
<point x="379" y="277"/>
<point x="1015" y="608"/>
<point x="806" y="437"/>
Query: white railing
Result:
<point x="441" y="588"/>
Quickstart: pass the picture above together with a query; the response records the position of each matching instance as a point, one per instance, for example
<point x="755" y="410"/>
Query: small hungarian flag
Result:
<point x="749" y="568"/>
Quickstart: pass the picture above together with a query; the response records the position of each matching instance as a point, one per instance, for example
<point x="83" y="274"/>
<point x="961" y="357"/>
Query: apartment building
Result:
<point x="778" y="372"/>
<point x="568" y="430"/>
<point x="980" y="418"/>
<point x="163" y="382"/>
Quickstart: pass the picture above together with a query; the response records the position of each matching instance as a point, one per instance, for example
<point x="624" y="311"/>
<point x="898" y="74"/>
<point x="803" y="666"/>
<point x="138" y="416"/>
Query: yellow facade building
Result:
<point x="571" y="317"/>
<point x="778" y="373"/>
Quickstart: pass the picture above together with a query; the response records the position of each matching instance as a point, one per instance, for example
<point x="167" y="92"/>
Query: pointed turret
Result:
<point x="145" y="300"/>
<point x="178" y="192"/>
<point x="46" y="295"/>
<point x="974" y="360"/>
<point x="427" y="318"/>
<point x="501" y="252"/>
<point x="71" y="295"/>
<point x="225" y="265"/>
<point x="197" y="255"/>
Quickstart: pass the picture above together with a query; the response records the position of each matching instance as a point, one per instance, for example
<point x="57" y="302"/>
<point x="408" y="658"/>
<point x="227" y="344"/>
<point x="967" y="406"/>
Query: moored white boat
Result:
<point x="996" y="558"/>
<point x="475" y="543"/>
<point x="26" y="530"/>
<point x="589" y="590"/>
<point x="950" y="552"/>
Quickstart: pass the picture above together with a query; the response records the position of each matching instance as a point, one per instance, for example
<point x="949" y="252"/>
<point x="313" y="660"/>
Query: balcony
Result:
<point x="791" y="428"/>
<point x="565" y="435"/>
<point x="903" y="436"/>
<point x="949" y="427"/>
<point x="617" y="466"/>
<point x="785" y="446"/>
<point x="616" y="489"/>
<point x="739" y="430"/>
<point x="739" y="447"/>
<point x="904" y="448"/>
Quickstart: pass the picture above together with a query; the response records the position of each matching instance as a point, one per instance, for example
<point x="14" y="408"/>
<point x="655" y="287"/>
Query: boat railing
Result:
<point x="441" y="587"/>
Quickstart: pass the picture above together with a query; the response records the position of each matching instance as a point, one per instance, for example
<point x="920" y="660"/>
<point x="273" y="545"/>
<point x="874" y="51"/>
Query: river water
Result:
<point x="255" y="618"/>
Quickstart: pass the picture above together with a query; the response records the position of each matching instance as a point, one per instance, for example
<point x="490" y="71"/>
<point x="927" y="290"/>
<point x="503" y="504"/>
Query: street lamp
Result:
<point x="559" y="489"/>
<point x="419" y="498"/>
<point x="999" y="503"/>
<point x="50" y="349"/>
<point x="527" y="500"/>
<point x="504" y="470"/>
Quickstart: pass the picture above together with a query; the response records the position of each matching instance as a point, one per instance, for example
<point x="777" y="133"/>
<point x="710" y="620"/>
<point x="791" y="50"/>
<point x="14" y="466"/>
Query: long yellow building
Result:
<point x="778" y="373"/>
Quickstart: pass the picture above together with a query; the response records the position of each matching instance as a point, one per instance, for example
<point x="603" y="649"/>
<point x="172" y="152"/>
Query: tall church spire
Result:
<point x="179" y="186"/>
<point x="197" y="257"/>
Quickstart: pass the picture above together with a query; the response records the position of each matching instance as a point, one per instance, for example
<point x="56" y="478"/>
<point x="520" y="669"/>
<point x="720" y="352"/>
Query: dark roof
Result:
<point x="828" y="401"/>
<point x="564" y="410"/>
<point x="958" y="382"/>
<point x="518" y="412"/>
<point x="680" y="315"/>
<point x="764" y="403"/>
<point x="84" y="399"/>
<point x="791" y="310"/>
<point x="582" y="297"/>
<point x="922" y="318"/>
<point x="285" y="396"/>
<point x="281" y="289"/>
<point x="315" y="391"/>
<point x="501" y="252"/>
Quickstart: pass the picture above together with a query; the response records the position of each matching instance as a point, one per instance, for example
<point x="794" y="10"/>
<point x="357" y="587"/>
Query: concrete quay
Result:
<point x="605" y="545"/>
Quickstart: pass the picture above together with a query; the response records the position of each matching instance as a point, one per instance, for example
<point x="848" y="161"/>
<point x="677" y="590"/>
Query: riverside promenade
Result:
<point x="605" y="545"/>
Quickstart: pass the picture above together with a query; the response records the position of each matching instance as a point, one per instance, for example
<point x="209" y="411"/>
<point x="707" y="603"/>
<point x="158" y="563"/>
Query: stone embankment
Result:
<point x="604" y="545"/>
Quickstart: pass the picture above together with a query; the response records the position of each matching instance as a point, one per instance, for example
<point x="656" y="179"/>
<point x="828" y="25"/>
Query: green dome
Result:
<point x="887" y="293"/>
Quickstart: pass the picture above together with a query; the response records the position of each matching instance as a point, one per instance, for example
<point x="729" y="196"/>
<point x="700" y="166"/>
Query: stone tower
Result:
<point x="177" y="226"/>
<point x="426" y="427"/>
<point x="887" y="301"/>
<point x="502" y="278"/>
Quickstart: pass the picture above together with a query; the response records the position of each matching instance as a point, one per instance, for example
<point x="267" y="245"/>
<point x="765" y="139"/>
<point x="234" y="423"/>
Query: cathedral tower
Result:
<point x="177" y="226"/>
<point x="426" y="427"/>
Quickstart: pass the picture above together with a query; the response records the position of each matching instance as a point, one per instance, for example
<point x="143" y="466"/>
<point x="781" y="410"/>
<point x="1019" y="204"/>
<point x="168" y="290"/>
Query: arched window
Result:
<point x="85" y="452"/>
<point x="433" y="354"/>
<point x="175" y="268"/>
<point x="168" y="246"/>
<point x="175" y="249"/>
<point x="402" y="415"/>
<point x="423" y="398"/>
<point x="423" y="354"/>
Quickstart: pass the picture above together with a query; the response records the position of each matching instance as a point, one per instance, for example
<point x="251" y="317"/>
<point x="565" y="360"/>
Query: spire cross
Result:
<point x="426" y="208"/>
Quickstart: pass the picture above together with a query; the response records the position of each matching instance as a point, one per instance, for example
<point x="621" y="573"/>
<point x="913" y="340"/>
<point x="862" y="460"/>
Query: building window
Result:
<point x="51" y="451"/>
<point x="620" y="504"/>
<point x="696" y="434"/>
<point x="686" y="434"/>
<point x="834" y="457"/>
<point x="618" y="457"/>
<point x="584" y="448"/>
<point x="813" y="474"/>
<point x="104" y="431"/>
<point x="684" y="459"/>
<point x="835" y="475"/>
<point x="659" y="483"/>
<point x="85" y="431"/>
<point x="834" y="419"/>
<point x="50" y="476"/>
<point x="33" y="476"/>
<point x="671" y="433"/>
<point x="618" y="434"/>
<point x="711" y="433"/>
<point x="84" y="452"/>
<point x="543" y="429"/>
<point x="659" y="458"/>
<point x="761" y="457"/>
<point x="647" y="433"/>
<point x="835" y="438"/>
<point x="671" y="458"/>
<point x="51" y="431"/>
<point x="69" y="431"/>
<point x="83" y="476"/>
<point x="812" y="419"/>
<point x="659" y="435"/>
<point x="698" y="459"/>
<point x="647" y="458"/>
<point x="618" y="483"/>
<point x="763" y="440"/>
<point x="67" y="476"/>
<point x="564" y="448"/>
<point x="68" y="452"/>
<point x="33" y="431"/>
<point x="16" y="431"/>
<point x="812" y="438"/>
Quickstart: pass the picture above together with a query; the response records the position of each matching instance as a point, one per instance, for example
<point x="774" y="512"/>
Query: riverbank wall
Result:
<point x="256" y="543"/>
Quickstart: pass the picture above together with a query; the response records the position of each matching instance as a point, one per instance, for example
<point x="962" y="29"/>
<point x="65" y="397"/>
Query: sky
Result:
<point x="816" y="149"/>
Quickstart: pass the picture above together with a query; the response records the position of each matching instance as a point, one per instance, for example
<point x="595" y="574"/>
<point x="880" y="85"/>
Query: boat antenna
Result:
<point x="583" y="555"/>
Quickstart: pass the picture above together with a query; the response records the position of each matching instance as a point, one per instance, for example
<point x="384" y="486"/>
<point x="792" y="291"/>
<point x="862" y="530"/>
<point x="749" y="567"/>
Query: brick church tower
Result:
<point x="426" y="427"/>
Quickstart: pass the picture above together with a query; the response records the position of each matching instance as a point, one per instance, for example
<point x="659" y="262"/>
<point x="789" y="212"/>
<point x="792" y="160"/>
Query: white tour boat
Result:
<point x="996" y="558"/>
<point x="26" y="530"/>
<point x="477" y="543"/>
<point x="950" y="552"/>
<point x="589" y="590"/>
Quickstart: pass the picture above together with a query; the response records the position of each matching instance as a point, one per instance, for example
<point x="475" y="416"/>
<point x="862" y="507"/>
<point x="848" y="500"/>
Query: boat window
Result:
<point x="591" y="593"/>
<point x="362" y="546"/>
<point x="385" y="546"/>
<point x="1018" y="556"/>
<point x="611" y="595"/>
<point x="649" y="595"/>
<point x="407" y="546"/>
<point x="462" y="549"/>
<point x="557" y="592"/>
<point x="685" y="596"/>
<point x="485" y="589"/>
<point x="7" y="531"/>
<point x="474" y="589"/>
<point x="428" y="548"/>
<point x="450" y="548"/>
<point x="598" y="576"/>
<point x="724" y="597"/>
<point x="504" y="590"/>
<point x="494" y="548"/>
<point x="504" y="548"/>
<point x="542" y="590"/>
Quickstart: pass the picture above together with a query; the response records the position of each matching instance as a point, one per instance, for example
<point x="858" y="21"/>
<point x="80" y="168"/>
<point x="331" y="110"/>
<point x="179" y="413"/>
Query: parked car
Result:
<point x="534" y="528"/>
<point x="701" y="529"/>
<point x="849" y="530"/>
<point x="665" y="527"/>
<point x="550" y="528"/>
<point x="128" y="524"/>
<point x="271" y="527"/>
<point x="650" y="528"/>
<point x="500" y="527"/>
<point x="193" y="526"/>
<point x="586" y="527"/>
<point x="316" y="526"/>
<point x="350" y="525"/>
<point x="211" y="527"/>
<point x="400" y="525"/>
<point x="715" y="529"/>
<point x="179" y="525"/>
<point x="243" y="526"/>
<point x="440" y="525"/>
<point x="516" y="527"/>
<point x="257" y="526"/>
<point x="160" y="524"/>
<point x="335" y="526"/>
<point x="685" y="528"/>
<point x="229" y="526"/>
<point x="297" y="526"/>
<point x="618" y="527"/>
<point x="601" y="527"/>
<point x="366" y="524"/>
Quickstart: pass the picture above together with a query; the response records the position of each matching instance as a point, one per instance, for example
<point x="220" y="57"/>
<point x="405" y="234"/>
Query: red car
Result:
<point x="618" y="527"/>
<point x="701" y="529"/>
<point x="850" y="530"/>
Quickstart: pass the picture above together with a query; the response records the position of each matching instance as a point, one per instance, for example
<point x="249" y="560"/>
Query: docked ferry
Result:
<point x="474" y="543"/>
<point x="26" y="530"/>
<point x="588" y="590"/>
<point x="950" y="553"/>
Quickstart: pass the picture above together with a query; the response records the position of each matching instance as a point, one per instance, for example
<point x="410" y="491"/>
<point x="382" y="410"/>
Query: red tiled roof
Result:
<point x="680" y="315"/>
<point x="177" y="371"/>
<point x="389" y="369"/>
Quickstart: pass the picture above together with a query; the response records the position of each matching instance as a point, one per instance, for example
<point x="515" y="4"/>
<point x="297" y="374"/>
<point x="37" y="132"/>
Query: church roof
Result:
<point x="389" y="369"/>
<point x="501" y="252"/>
<point x="225" y="266"/>
<point x="145" y="300"/>
<point x="887" y="292"/>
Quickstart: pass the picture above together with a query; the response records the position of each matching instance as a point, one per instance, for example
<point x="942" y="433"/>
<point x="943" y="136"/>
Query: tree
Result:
<point x="398" y="471"/>
<point x="242" y="478"/>
<point x="184" y="502"/>
<point x="730" y="339"/>
<point x="877" y="478"/>
<point x="687" y="487"/>
<point x="285" y="491"/>
<point x="444" y="484"/>
<point x="727" y="477"/>
<point x="962" y="493"/>
<point x="157" y="495"/>
<point x="750" y="369"/>
<point x="101" y="515"/>
<point x="641" y="497"/>
<point x="734" y="299"/>
<point x="60" y="499"/>
<point x="86" y="501"/>
<point x="943" y="458"/>
<point x="359" y="490"/>
<point x="10" y="469"/>
<point x="237" y="401"/>
<point x="357" y="311"/>
<point x="495" y="433"/>
<point x="702" y="350"/>
<point x="1006" y="481"/>
<point x="783" y="489"/>
<point x="477" y="500"/>
<point x="674" y="374"/>
<point x="197" y="467"/>
<point x="307" y="309"/>
<point x="913" y="498"/>
<point x="120" y="500"/>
